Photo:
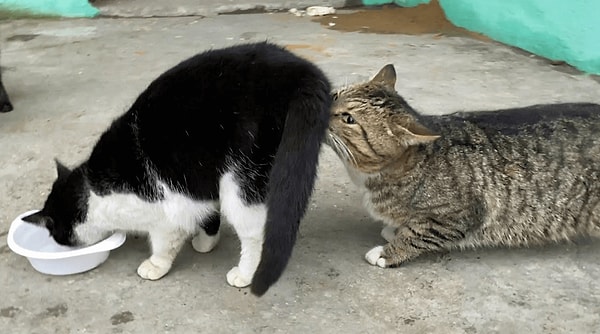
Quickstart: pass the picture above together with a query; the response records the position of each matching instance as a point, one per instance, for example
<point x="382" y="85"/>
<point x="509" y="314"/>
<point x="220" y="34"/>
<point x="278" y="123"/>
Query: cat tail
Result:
<point x="292" y="179"/>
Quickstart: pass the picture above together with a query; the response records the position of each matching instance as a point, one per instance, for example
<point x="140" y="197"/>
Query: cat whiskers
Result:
<point x="341" y="149"/>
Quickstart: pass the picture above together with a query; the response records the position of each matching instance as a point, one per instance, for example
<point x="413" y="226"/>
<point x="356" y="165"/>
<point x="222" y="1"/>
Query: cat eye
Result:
<point x="348" y="119"/>
<point x="335" y="96"/>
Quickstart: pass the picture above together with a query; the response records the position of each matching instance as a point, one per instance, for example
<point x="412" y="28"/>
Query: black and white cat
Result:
<point x="233" y="132"/>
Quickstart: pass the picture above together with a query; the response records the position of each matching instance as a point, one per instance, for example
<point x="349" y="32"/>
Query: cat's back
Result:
<point x="545" y="131"/>
<point x="221" y="107"/>
<point x="539" y="163"/>
<point x="223" y="93"/>
<point x="243" y="74"/>
<point x="574" y="117"/>
<point x="518" y="154"/>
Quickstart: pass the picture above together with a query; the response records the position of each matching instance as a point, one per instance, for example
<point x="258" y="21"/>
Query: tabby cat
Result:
<point x="233" y="132"/>
<point x="515" y="177"/>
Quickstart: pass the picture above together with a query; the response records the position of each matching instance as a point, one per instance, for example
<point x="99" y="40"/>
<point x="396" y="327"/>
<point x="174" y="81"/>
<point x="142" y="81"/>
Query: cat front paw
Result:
<point x="236" y="279"/>
<point x="204" y="243"/>
<point x="375" y="257"/>
<point x="148" y="270"/>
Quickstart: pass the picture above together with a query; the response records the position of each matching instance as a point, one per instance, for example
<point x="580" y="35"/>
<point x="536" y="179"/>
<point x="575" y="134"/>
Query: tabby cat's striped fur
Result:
<point x="513" y="177"/>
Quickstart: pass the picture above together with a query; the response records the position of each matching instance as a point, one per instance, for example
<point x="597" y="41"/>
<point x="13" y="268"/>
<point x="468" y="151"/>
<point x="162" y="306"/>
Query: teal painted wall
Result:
<point x="555" y="29"/>
<point x="64" y="8"/>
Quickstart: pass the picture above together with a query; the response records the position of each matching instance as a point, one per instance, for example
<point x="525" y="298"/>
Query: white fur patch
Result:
<point x="168" y="222"/>
<point x="128" y="212"/>
<point x="171" y="220"/>
<point x="151" y="271"/>
<point x="204" y="243"/>
<point x="374" y="257"/>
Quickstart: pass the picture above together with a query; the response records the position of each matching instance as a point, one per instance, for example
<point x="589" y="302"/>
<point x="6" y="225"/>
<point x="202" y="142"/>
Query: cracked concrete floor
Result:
<point x="69" y="78"/>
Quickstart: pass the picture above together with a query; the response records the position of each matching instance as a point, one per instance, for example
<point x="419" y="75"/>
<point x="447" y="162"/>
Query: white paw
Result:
<point x="388" y="233"/>
<point x="204" y="243"/>
<point x="374" y="257"/>
<point x="236" y="279"/>
<point x="148" y="270"/>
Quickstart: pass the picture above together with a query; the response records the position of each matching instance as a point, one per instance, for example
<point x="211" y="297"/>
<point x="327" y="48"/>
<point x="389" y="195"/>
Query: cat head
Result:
<point x="372" y="126"/>
<point x="64" y="208"/>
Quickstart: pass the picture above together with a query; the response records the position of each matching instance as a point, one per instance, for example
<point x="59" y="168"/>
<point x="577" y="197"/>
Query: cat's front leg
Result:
<point x="388" y="233"/>
<point x="375" y="255"/>
<point x="412" y="239"/>
<point x="393" y="253"/>
<point x="165" y="246"/>
<point x="390" y="255"/>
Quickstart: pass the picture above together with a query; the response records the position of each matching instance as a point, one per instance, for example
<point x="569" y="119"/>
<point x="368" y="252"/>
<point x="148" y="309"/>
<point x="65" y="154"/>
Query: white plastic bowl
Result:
<point x="48" y="257"/>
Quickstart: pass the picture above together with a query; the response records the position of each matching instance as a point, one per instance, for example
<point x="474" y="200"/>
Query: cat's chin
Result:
<point x="357" y="176"/>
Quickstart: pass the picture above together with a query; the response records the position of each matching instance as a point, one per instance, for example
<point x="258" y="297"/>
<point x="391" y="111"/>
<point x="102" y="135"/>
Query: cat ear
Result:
<point x="410" y="132"/>
<point x="62" y="171"/>
<point x="386" y="76"/>
<point x="40" y="219"/>
<point x="37" y="218"/>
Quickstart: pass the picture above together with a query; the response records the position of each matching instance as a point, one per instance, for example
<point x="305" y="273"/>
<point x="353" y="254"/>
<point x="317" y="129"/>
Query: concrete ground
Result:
<point x="69" y="78"/>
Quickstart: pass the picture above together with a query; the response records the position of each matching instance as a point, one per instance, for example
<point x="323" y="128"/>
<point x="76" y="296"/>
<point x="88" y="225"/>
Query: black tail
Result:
<point x="292" y="178"/>
<point x="5" y="105"/>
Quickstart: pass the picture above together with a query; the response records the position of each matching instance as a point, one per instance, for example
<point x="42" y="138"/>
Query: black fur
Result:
<point x="255" y="106"/>
<point x="5" y="105"/>
<point x="511" y="121"/>
<point x="65" y="206"/>
<point x="293" y="175"/>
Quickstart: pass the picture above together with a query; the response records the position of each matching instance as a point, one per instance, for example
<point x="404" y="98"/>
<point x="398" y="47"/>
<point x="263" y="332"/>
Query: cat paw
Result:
<point x="204" y="243"/>
<point x="375" y="257"/>
<point x="236" y="279"/>
<point x="388" y="233"/>
<point x="148" y="270"/>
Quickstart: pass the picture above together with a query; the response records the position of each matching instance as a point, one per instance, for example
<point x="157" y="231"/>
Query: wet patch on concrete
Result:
<point x="56" y="311"/>
<point x="122" y="318"/>
<point x="311" y="47"/>
<point x="9" y="312"/>
<point x="422" y="19"/>
<point x="333" y="273"/>
<point x="22" y="38"/>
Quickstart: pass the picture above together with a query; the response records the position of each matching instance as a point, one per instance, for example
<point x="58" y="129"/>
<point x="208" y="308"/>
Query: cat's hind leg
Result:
<point x="248" y="220"/>
<point x="165" y="246"/>
<point x="209" y="234"/>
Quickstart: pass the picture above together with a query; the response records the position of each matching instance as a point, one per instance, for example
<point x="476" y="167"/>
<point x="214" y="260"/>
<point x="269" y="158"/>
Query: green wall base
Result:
<point x="62" y="8"/>
<point x="558" y="30"/>
<point x="554" y="29"/>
